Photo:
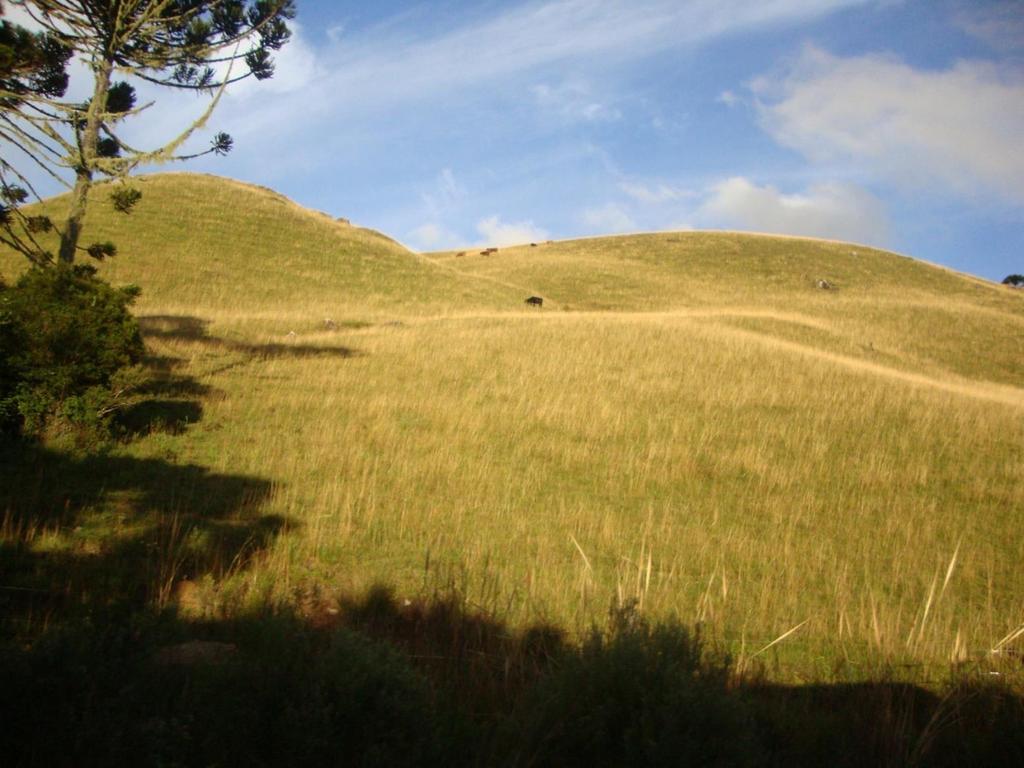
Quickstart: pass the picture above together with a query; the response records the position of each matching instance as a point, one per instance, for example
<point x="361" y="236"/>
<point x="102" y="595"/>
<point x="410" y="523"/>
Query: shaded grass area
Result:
<point x="109" y="530"/>
<point x="375" y="681"/>
<point x="195" y="329"/>
<point x="93" y="532"/>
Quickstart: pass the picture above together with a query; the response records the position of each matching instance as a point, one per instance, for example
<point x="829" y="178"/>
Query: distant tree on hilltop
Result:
<point x="199" y="45"/>
<point x="1015" y="280"/>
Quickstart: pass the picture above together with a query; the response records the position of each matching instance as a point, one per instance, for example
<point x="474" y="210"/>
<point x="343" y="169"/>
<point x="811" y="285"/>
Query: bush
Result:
<point x="8" y="375"/>
<point x="638" y="695"/>
<point x="1015" y="280"/>
<point x="67" y="343"/>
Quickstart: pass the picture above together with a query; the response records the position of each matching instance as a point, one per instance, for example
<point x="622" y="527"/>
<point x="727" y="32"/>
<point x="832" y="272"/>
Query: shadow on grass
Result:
<point x="90" y="534"/>
<point x="165" y="401"/>
<point x="972" y="722"/>
<point x="196" y="330"/>
<point x="158" y="415"/>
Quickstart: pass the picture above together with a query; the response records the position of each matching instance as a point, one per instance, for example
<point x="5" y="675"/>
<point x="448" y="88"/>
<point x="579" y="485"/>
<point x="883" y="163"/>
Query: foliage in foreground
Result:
<point x="284" y="689"/>
<point x="638" y="695"/>
<point x="67" y="346"/>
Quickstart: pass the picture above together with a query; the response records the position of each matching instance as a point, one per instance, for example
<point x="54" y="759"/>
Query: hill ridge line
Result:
<point x="485" y="278"/>
<point x="770" y="235"/>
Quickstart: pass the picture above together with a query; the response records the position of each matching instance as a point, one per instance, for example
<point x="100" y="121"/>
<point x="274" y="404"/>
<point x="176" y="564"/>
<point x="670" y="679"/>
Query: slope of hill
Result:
<point x="203" y="241"/>
<point x="689" y="425"/>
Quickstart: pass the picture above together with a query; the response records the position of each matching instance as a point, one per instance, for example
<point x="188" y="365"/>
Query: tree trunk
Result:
<point x="87" y="141"/>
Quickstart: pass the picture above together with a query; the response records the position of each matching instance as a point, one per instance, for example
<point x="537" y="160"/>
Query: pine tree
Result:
<point x="32" y="68"/>
<point x="198" y="45"/>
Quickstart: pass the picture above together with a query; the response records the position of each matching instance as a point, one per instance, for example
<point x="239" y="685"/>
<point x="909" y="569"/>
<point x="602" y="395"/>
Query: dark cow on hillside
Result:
<point x="535" y="301"/>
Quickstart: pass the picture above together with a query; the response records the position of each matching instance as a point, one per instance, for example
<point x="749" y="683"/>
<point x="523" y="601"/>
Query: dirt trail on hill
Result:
<point x="996" y="393"/>
<point x="979" y="390"/>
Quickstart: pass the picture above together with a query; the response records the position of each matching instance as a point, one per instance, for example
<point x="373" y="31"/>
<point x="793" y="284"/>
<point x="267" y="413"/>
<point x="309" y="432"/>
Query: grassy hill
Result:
<point x="689" y="425"/>
<point x="905" y="312"/>
<point x="203" y="241"/>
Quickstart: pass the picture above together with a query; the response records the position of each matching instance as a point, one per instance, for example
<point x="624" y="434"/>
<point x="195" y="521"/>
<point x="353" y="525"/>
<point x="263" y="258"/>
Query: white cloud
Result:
<point x="960" y="127"/>
<point x="495" y="232"/>
<point x="829" y="210"/>
<point x="655" y="194"/>
<point x="835" y="211"/>
<point x="608" y="219"/>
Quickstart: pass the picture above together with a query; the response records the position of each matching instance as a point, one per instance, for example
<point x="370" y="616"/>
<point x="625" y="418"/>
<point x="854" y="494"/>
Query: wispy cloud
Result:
<point x="657" y="192"/>
<point x="999" y="24"/>
<point x="330" y="91"/>
<point x="446" y="196"/>
<point x="959" y="127"/>
<point x="399" y="65"/>
<point x="574" y="102"/>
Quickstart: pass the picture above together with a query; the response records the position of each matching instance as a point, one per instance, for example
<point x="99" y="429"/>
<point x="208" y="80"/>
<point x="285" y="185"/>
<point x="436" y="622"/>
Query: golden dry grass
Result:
<point x="688" y="423"/>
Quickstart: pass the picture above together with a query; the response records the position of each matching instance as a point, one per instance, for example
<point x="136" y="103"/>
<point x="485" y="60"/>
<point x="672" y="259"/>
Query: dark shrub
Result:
<point x="98" y="694"/>
<point x="639" y="696"/>
<point x="8" y="374"/>
<point x="67" y="340"/>
<point x="1014" y="280"/>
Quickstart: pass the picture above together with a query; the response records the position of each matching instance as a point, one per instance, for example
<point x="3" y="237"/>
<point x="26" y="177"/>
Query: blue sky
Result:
<point x="893" y="123"/>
